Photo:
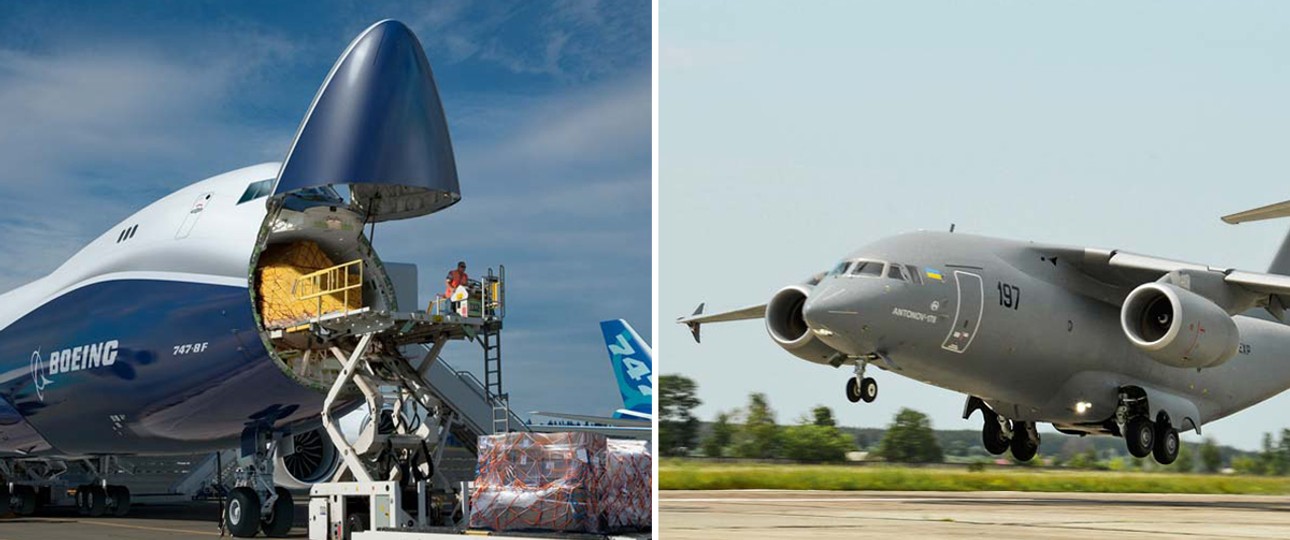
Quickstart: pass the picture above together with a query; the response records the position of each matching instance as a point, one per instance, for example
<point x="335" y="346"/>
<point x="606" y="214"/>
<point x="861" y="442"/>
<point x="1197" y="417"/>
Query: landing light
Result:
<point x="1082" y="406"/>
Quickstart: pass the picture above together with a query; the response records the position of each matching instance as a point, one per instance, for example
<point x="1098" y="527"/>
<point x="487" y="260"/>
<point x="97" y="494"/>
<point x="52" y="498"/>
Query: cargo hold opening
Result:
<point x="313" y="261"/>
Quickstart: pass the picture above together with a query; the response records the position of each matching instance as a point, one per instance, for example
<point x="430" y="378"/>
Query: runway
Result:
<point x="145" y="522"/>
<point x="820" y="515"/>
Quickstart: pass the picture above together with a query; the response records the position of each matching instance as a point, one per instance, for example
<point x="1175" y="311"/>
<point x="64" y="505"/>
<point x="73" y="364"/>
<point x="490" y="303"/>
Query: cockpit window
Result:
<point x="867" y="268"/>
<point x="841" y="268"/>
<point x="914" y="275"/>
<point x="896" y="271"/>
<point x="256" y="190"/>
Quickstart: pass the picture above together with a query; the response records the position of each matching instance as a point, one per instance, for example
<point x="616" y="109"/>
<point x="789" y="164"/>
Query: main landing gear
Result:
<point x="860" y="387"/>
<point x="999" y="435"/>
<point x="1143" y="437"/>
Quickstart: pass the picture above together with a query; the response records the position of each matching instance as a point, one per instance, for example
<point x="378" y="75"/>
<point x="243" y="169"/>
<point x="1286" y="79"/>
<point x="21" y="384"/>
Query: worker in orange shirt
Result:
<point x="456" y="278"/>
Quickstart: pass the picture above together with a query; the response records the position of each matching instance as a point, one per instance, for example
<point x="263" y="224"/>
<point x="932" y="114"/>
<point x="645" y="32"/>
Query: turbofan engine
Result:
<point x="1178" y="327"/>
<point x="787" y="326"/>
<point x="308" y="459"/>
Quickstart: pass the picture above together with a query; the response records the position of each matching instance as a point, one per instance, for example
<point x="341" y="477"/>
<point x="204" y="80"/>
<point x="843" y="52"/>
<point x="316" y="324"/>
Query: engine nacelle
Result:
<point x="1178" y="327"/>
<point x="308" y="459"/>
<point x="787" y="326"/>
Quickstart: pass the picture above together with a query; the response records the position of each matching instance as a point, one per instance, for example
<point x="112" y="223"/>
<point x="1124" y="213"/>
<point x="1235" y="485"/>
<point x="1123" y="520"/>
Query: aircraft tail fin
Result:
<point x="1281" y="262"/>
<point x="633" y="363"/>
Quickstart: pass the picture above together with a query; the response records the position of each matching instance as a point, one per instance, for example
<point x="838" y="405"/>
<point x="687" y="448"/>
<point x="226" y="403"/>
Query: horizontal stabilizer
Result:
<point x="698" y="318"/>
<point x="1271" y="211"/>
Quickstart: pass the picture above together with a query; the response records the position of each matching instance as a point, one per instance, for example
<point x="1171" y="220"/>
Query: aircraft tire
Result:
<point x="1167" y="445"/>
<point x="120" y="497"/>
<point x="1023" y="446"/>
<point x="868" y="389"/>
<point x="242" y="515"/>
<point x="23" y="500"/>
<point x="95" y="500"/>
<point x="853" y="390"/>
<point x="284" y="509"/>
<point x="1140" y="436"/>
<point x="4" y="498"/>
<point x="992" y="436"/>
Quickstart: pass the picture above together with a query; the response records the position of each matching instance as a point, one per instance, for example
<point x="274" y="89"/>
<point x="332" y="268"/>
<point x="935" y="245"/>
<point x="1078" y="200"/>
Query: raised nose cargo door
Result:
<point x="377" y="126"/>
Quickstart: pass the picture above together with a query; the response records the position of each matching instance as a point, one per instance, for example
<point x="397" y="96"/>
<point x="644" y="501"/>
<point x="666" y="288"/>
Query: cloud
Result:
<point x="575" y="40"/>
<point x="92" y="135"/>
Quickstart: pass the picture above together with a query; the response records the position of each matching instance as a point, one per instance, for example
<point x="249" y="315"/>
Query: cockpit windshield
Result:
<point x="841" y="268"/>
<point x="867" y="268"/>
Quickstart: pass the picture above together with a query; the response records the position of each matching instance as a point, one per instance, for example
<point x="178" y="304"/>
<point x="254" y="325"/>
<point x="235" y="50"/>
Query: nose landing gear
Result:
<point x="860" y="387"/>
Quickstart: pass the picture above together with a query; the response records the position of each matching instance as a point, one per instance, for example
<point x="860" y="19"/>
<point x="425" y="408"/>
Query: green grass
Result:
<point x="686" y="474"/>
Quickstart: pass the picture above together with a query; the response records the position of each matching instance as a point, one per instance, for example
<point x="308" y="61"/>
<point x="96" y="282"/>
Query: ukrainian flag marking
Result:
<point x="934" y="274"/>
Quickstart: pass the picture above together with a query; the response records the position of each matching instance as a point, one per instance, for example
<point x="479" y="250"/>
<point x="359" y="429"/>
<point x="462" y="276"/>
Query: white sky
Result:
<point x="793" y="133"/>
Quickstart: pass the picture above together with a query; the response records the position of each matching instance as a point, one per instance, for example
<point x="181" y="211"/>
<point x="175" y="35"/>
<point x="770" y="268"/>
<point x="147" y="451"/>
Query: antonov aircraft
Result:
<point x="1092" y="341"/>
<point x="633" y="363"/>
<point x="153" y="339"/>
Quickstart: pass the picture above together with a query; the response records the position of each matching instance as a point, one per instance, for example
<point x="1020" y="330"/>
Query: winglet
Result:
<point x="694" y="326"/>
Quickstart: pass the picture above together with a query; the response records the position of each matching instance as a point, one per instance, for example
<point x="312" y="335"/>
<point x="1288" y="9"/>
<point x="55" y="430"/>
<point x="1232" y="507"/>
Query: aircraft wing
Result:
<point x="698" y="317"/>
<point x="1127" y="270"/>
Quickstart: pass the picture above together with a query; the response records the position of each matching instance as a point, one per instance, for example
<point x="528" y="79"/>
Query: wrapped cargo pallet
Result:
<point x="565" y="482"/>
<point x="625" y="491"/>
<point x="538" y="481"/>
<point x="280" y="266"/>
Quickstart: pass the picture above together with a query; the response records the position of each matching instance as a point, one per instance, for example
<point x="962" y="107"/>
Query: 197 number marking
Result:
<point x="1009" y="296"/>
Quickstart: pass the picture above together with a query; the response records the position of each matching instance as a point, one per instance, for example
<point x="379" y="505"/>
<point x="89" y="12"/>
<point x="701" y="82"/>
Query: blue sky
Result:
<point x="107" y="106"/>
<point x="789" y="137"/>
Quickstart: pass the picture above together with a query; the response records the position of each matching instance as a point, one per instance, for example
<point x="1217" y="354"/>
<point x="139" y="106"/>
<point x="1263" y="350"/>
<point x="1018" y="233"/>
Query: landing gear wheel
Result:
<point x="1166" y="448"/>
<point x="23" y="500"/>
<point x="243" y="513"/>
<point x="284" y="509"/>
<point x="868" y="389"/>
<point x="853" y="390"/>
<point x="1140" y="436"/>
<point x="992" y="436"/>
<point x="95" y="500"/>
<point x="1024" y="444"/>
<point x="118" y="500"/>
<point x="82" y="506"/>
<point x="4" y="498"/>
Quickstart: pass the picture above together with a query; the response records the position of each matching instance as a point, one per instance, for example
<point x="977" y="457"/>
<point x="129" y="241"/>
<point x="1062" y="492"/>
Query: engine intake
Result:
<point x="787" y="326"/>
<point x="1178" y="327"/>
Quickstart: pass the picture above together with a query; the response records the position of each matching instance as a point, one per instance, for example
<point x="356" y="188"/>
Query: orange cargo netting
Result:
<point x="280" y="267"/>
<point x="568" y="482"/>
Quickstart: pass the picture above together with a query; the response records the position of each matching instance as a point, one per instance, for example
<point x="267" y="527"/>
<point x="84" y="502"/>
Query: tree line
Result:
<point x="752" y="432"/>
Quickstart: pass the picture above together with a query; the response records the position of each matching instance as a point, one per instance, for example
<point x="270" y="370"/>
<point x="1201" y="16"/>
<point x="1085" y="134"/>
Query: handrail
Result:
<point x="329" y="281"/>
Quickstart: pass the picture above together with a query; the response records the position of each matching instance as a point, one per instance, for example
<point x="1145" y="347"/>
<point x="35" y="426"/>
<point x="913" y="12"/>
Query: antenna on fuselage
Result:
<point x="951" y="227"/>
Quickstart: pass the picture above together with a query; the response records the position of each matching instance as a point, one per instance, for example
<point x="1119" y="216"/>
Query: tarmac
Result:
<point x="819" y="515"/>
<point x="145" y="522"/>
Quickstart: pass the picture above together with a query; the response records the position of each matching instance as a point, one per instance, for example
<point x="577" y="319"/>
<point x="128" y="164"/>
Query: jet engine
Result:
<point x="308" y="459"/>
<point x="787" y="326"/>
<point x="1178" y="327"/>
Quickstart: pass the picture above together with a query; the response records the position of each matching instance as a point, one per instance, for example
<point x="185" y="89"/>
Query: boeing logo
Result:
<point x="69" y="360"/>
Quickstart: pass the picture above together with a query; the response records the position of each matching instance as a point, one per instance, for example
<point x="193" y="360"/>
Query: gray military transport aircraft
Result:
<point x="1092" y="341"/>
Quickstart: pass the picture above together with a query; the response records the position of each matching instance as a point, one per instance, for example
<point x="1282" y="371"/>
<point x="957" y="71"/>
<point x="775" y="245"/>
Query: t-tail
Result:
<point x="633" y="363"/>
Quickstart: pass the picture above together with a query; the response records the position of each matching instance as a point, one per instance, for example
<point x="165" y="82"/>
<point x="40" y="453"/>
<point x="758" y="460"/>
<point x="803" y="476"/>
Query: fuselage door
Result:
<point x="967" y="311"/>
